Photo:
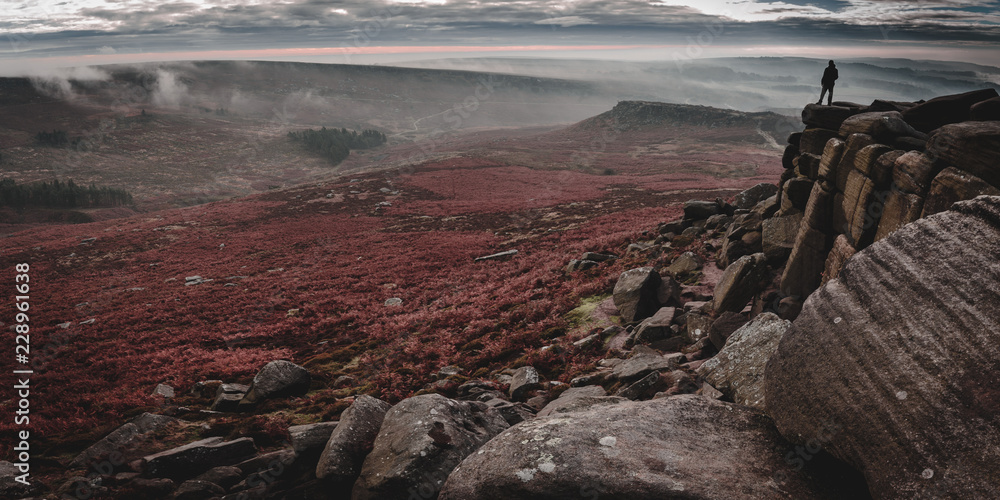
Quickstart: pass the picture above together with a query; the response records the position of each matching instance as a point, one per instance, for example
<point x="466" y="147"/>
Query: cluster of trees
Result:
<point x="335" y="144"/>
<point x="54" y="138"/>
<point x="57" y="194"/>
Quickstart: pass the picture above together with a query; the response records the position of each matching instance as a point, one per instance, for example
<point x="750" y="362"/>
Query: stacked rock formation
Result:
<point x="858" y="173"/>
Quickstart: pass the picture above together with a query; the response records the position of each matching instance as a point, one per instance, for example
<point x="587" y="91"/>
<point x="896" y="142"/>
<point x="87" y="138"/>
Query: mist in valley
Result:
<point x="189" y="132"/>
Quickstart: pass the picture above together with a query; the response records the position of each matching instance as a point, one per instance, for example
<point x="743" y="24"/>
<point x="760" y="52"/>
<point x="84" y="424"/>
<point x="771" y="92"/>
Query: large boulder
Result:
<point x="310" y="439"/>
<point x="901" y="354"/>
<point x="944" y="110"/>
<point x="700" y="209"/>
<point x="524" y="380"/>
<point x="194" y="458"/>
<point x="351" y="441"/>
<point x="123" y="440"/>
<point x="900" y="209"/>
<point x="841" y="251"/>
<point x="422" y="440"/>
<point x="655" y="327"/>
<point x="685" y="446"/>
<point x="277" y="379"/>
<point x="988" y="110"/>
<point x="913" y="173"/>
<point x="738" y="369"/>
<point x="642" y="363"/>
<point x="685" y="263"/>
<point x="579" y="398"/>
<point x="635" y="294"/>
<point x="971" y="146"/>
<point x="740" y="282"/>
<point x="746" y="199"/>
<point x="884" y="126"/>
<point x="953" y="185"/>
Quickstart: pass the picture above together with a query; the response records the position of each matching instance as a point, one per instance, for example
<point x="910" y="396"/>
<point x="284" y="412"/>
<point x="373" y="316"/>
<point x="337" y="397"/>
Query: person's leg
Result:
<point x="829" y="102"/>
<point x="821" y="94"/>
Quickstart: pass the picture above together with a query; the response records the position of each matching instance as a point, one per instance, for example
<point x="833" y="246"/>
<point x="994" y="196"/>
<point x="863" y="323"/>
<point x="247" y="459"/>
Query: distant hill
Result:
<point x="627" y="115"/>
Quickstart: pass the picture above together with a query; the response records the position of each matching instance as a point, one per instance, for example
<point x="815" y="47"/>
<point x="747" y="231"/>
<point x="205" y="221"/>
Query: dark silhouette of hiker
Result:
<point x="829" y="78"/>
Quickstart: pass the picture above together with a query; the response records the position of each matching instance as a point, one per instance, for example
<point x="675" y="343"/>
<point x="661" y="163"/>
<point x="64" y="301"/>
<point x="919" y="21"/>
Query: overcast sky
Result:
<point x="98" y="31"/>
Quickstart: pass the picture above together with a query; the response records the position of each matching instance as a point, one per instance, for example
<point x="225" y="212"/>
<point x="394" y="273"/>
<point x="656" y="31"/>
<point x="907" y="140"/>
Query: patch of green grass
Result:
<point x="581" y="314"/>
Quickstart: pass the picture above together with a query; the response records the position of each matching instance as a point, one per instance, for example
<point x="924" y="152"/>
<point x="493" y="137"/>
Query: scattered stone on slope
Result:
<point x="226" y="476"/>
<point x="194" y="489"/>
<point x="900" y="354"/>
<point x="740" y="282"/>
<point x="524" y="380"/>
<point x="738" y="369"/>
<point x="685" y="446"/>
<point x="598" y="257"/>
<point x="635" y="294"/>
<point x="724" y="326"/>
<point x="228" y="396"/>
<point x="580" y="265"/>
<point x="645" y="387"/>
<point x="421" y="441"/>
<point x="277" y="379"/>
<point x="163" y="391"/>
<point x="700" y="209"/>
<point x="578" y="398"/>
<point x="685" y="263"/>
<point x="654" y="328"/>
<point x="644" y="362"/>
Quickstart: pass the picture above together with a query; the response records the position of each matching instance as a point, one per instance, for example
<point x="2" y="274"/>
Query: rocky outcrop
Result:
<point x="883" y="166"/>
<point x="680" y="447"/>
<point x="900" y="354"/>
<point x="421" y="441"/>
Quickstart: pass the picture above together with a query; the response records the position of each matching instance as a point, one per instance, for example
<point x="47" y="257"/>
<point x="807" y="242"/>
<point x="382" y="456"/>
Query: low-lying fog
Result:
<point x="453" y="94"/>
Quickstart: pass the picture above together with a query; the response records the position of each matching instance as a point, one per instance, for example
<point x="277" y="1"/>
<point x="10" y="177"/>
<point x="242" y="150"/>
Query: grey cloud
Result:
<point x="312" y="23"/>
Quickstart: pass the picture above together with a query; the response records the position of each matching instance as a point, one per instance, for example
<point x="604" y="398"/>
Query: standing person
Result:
<point x="829" y="78"/>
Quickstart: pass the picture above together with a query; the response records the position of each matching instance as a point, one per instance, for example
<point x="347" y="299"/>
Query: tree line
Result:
<point x="335" y="144"/>
<point x="58" y="194"/>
